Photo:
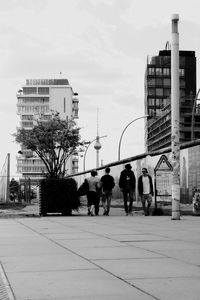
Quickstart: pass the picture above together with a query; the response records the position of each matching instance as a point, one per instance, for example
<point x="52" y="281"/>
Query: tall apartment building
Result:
<point x="158" y="98"/>
<point x="39" y="97"/>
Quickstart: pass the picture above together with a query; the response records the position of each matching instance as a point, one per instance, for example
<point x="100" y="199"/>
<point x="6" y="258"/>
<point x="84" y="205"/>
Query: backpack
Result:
<point x="84" y="188"/>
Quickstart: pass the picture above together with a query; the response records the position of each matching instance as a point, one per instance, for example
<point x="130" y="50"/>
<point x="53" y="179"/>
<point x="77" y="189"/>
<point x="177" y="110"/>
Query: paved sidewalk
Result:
<point x="32" y="210"/>
<point x="92" y="258"/>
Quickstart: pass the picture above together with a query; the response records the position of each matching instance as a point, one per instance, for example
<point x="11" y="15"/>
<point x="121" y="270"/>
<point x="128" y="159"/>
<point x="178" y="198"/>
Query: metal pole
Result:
<point x="97" y="159"/>
<point x="119" y="147"/>
<point x="8" y="178"/>
<point x="100" y="137"/>
<point x="175" y="139"/>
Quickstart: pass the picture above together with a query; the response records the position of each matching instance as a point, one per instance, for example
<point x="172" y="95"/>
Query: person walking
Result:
<point x="108" y="184"/>
<point x="127" y="186"/>
<point x="145" y="188"/>
<point x="93" y="198"/>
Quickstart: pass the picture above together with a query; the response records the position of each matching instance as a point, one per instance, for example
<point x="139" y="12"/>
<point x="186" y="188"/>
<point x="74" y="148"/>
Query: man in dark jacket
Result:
<point x="145" y="188"/>
<point x="127" y="186"/>
<point x="108" y="184"/>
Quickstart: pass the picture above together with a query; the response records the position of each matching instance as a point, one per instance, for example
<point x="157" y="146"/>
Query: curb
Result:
<point x="6" y="292"/>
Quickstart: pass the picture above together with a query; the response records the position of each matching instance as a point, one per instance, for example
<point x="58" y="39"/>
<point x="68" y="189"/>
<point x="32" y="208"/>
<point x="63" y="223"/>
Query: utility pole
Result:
<point x="175" y="139"/>
<point x="8" y="178"/>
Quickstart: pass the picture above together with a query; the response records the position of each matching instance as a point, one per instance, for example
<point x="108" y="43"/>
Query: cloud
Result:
<point x="26" y="4"/>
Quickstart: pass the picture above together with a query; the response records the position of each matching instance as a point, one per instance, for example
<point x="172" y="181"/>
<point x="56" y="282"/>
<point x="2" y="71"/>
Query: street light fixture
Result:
<point x="100" y="137"/>
<point x="119" y="147"/>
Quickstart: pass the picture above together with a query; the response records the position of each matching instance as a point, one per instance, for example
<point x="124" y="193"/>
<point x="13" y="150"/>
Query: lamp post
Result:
<point x="119" y="147"/>
<point x="175" y="134"/>
<point x="100" y="137"/>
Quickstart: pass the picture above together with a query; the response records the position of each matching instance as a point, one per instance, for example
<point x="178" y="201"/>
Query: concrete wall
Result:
<point x="189" y="170"/>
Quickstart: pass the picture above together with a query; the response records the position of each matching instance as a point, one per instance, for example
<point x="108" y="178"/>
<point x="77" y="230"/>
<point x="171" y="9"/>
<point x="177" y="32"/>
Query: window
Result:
<point x="43" y="90"/>
<point x="166" y="82"/>
<point x="166" y="71"/>
<point x="29" y="90"/>
<point x="187" y="119"/>
<point x="159" y="81"/>
<point x="182" y="93"/>
<point x="151" y="92"/>
<point x="151" y="112"/>
<point x="166" y="101"/>
<point x="151" y="81"/>
<point x="158" y="112"/>
<point x="151" y="101"/>
<point x="182" y="72"/>
<point x="151" y="71"/>
<point x="182" y="83"/>
<point x="158" y="71"/>
<point x="158" y="102"/>
<point x="187" y="135"/>
<point x="166" y="92"/>
<point x="159" y="92"/>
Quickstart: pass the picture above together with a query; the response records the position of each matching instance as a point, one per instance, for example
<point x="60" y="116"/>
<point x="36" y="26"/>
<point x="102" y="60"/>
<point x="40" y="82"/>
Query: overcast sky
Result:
<point x="101" y="47"/>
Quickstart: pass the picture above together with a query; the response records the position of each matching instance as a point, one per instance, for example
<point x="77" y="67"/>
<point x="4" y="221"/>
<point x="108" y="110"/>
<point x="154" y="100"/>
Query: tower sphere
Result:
<point x="97" y="145"/>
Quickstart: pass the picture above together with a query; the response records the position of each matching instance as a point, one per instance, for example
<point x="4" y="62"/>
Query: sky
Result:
<point x="101" y="47"/>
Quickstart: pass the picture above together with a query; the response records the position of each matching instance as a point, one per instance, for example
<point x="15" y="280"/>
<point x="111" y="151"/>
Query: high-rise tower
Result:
<point x="158" y="98"/>
<point x="38" y="98"/>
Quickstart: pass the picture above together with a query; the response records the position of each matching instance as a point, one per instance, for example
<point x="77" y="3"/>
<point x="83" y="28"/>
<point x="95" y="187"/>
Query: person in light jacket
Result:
<point x="94" y="185"/>
<point x="145" y="188"/>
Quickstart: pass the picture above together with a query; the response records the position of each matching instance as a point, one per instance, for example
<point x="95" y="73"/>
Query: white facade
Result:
<point x="40" y="97"/>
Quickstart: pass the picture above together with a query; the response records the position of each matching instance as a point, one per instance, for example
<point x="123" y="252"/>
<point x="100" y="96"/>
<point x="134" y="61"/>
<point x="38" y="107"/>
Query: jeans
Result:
<point x="106" y="200"/>
<point x="93" y="201"/>
<point x="128" y="195"/>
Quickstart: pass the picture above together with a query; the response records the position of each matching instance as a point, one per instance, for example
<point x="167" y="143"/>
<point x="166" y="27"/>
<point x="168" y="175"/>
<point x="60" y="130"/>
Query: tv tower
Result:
<point x="97" y="145"/>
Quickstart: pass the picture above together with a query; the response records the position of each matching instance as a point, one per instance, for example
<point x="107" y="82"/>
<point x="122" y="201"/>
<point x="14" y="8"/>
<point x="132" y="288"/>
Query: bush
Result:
<point x="58" y="196"/>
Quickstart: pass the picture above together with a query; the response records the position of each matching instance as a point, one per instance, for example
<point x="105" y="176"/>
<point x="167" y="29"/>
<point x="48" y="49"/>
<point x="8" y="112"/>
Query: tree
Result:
<point x="54" y="141"/>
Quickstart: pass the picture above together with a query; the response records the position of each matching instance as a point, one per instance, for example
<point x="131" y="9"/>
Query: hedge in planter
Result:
<point x="58" y="196"/>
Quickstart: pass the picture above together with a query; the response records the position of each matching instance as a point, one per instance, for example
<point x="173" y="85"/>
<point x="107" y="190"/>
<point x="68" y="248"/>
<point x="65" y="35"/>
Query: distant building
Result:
<point x="39" y="97"/>
<point x="158" y="98"/>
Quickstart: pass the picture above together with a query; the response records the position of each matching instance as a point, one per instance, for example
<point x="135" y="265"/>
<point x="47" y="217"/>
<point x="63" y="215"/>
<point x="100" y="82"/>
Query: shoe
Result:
<point x="127" y="214"/>
<point x="104" y="213"/>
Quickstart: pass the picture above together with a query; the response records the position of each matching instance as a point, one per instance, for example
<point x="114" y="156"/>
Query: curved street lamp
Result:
<point x="119" y="147"/>
<point x="100" y="137"/>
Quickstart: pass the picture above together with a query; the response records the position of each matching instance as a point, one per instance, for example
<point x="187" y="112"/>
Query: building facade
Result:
<point x="38" y="98"/>
<point x="158" y="98"/>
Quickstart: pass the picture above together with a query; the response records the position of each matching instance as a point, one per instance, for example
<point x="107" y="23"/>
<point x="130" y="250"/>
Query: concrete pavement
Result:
<point x="112" y="258"/>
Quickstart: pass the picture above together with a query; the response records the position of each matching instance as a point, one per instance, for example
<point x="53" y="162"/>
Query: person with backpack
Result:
<point x="108" y="184"/>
